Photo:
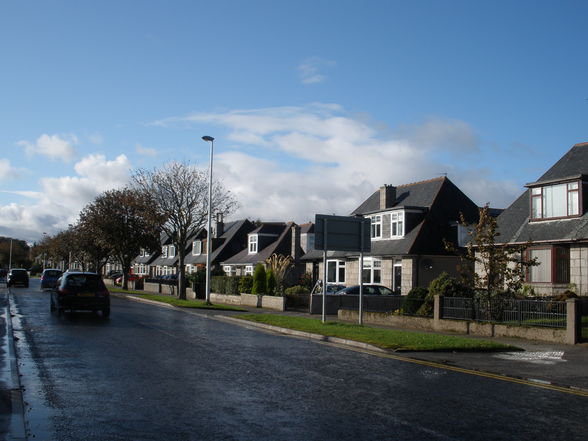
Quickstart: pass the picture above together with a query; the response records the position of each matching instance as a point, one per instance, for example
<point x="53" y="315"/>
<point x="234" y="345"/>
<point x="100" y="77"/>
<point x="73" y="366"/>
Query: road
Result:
<point x="153" y="373"/>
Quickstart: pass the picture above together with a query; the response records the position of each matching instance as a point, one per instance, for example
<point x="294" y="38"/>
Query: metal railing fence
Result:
<point x="528" y="312"/>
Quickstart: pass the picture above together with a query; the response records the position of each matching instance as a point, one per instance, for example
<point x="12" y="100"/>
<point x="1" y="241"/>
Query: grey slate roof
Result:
<point x="513" y="223"/>
<point x="282" y="244"/>
<point x="440" y="202"/>
<point x="229" y="242"/>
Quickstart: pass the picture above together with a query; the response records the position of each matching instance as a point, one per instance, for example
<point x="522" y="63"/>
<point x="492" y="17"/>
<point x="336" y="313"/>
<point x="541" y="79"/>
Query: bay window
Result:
<point x="553" y="201"/>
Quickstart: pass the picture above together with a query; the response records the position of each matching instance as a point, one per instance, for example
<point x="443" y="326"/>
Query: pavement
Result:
<point x="556" y="366"/>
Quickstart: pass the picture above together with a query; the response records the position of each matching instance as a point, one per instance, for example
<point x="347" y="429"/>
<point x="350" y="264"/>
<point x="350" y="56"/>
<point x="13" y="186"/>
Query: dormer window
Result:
<point x="397" y="224"/>
<point x="196" y="248"/>
<point x="555" y="201"/>
<point x="376" y="227"/>
<point x="253" y="244"/>
<point x="164" y="251"/>
<point x="171" y="251"/>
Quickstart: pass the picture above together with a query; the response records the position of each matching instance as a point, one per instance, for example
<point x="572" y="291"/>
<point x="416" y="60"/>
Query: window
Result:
<point x="552" y="201"/>
<point x="397" y="224"/>
<point x="171" y="251"/>
<point x="372" y="271"/>
<point x="554" y="265"/>
<point x="249" y="270"/>
<point x="196" y="248"/>
<point x="253" y="244"/>
<point x="376" y="227"/>
<point x="164" y="251"/>
<point x="335" y="271"/>
<point x="228" y="269"/>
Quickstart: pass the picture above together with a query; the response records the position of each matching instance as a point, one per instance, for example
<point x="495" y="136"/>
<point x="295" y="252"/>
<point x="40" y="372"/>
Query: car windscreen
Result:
<point x="18" y="272"/>
<point x="90" y="282"/>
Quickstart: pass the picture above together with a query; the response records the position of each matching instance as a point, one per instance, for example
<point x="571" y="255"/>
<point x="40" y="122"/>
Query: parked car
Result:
<point x="49" y="278"/>
<point x="131" y="278"/>
<point x="81" y="291"/>
<point x="332" y="288"/>
<point x="369" y="290"/>
<point x="18" y="276"/>
<point x="113" y="274"/>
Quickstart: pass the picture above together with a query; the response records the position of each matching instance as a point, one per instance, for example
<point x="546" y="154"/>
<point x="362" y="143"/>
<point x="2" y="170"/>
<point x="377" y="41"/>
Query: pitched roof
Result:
<point x="440" y="202"/>
<point x="282" y="244"/>
<point x="513" y="223"/>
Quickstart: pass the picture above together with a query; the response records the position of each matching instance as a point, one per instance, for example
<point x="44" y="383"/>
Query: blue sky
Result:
<point x="313" y="104"/>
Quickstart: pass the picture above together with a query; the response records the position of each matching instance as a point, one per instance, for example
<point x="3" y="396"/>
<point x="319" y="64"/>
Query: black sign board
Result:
<point x="342" y="233"/>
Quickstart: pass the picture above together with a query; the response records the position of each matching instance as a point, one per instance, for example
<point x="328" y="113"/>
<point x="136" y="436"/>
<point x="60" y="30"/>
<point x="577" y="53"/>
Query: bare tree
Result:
<point x="123" y="221"/>
<point x="180" y="191"/>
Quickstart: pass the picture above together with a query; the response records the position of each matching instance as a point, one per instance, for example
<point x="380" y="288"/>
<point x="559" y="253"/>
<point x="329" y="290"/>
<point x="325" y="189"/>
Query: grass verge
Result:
<point x="197" y="304"/>
<point x="402" y="341"/>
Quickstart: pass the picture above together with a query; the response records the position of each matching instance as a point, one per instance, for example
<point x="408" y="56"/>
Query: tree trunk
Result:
<point x="181" y="275"/>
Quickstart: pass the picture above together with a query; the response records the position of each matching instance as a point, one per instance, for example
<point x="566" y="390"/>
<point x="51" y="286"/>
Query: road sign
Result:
<point x="342" y="233"/>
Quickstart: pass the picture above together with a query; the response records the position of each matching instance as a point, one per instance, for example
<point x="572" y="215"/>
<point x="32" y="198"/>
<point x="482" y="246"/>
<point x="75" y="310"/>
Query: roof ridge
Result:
<point x="423" y="182"/>
<point x="581" y="144"/>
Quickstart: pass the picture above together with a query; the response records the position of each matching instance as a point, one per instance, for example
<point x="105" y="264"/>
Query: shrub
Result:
<point x="246" y="284"/>
<point x="413" y="300"/>
<point x="217" y="284"/>
<point x="270" y="283"/>
<point x="259" y="280"/>
<point x="447" y="286"/>
<point x="306" y="281"/>
<point x="297" y="289"/>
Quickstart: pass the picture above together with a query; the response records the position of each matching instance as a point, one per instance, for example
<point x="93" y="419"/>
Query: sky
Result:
<point x="313" y="104"/>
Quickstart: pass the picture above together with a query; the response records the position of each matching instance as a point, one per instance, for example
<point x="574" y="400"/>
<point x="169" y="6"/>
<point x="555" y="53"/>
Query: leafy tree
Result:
<point x="259" y="280"/>
<point x="180" y="193"/>
<point x="496" y="271"/>
<point x="20" y="253"/>
<point x="124" y="221"/>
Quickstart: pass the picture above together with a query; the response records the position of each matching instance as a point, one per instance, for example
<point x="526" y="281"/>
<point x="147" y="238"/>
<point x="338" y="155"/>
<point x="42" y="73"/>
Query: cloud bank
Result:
<point x="289" y="163"/>
<point x="52" y="146"/>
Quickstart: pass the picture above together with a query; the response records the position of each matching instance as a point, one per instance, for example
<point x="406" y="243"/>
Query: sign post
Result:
<point x="342" y="233"/>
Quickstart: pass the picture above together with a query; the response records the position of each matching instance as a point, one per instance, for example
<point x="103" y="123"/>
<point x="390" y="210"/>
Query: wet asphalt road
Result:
<point x="151" y="373"/>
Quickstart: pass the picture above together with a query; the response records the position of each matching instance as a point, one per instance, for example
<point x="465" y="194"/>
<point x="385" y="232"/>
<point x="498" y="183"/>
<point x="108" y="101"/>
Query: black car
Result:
<point x="18" y="276"/>
<point x="80" y="291"/>
<point x="49" y="278"/>
<point x="368" y="290"/>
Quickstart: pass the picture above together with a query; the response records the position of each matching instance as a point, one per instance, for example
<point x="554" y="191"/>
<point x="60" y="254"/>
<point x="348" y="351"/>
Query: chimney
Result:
<point x="295" y="252"/>
<point x="387" y="196"/>
<point x="220" y="226"/>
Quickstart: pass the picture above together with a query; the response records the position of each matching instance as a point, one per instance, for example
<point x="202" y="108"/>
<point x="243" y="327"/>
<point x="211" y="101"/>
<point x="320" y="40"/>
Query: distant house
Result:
<point x="266" y="239"/>
<point x="552" y="214"/>
<point x="409" y="224"/>
<point x="227" y="240"/>
<point x="167" y="261"/>
<point x="142" y="263"/>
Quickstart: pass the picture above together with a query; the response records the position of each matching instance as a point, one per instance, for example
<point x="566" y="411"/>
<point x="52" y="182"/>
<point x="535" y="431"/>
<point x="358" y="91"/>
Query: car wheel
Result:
<point x="106" y="313"/>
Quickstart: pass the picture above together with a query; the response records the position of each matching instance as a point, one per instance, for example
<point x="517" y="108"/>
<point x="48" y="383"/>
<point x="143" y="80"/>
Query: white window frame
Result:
<point x="171" y="251"/>
<point x="372" y="268"/>
<point x="253" y="243"/>
<point x="397" y="224"/>
<point x="340" y="271"/>
<point x="197" y="248"/>
<point x="248" y="270"/>
<point x="164" y="251"/>
<point x="376" y="226"/>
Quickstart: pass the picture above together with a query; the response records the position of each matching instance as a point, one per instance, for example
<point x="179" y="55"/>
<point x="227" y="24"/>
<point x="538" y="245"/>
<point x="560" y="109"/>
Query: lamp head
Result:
<point x="208" y="138"/>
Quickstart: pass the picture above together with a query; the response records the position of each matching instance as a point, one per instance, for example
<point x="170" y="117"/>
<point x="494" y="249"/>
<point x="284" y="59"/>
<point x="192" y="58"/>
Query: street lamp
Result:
<point x="208" y="226"/>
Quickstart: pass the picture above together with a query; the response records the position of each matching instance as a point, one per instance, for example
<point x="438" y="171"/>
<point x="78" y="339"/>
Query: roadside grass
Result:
<point x="401" y="341"/>
<point x="197" y="304"/>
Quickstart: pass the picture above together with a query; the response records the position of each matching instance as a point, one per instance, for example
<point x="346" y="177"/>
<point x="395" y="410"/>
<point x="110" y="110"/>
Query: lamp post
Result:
<point x="208" y="226"/>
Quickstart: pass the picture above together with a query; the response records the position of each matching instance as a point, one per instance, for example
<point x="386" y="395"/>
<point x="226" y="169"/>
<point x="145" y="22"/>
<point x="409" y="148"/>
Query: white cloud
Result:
<point x="7" y="171"/>
<point x="53" y="146"/>
<point x="318" y="159"/>
<point x="96" y="138"/>
<point x="145" y="151"/>
<point x="310" y="70"/>
<point x="61" y="199"/>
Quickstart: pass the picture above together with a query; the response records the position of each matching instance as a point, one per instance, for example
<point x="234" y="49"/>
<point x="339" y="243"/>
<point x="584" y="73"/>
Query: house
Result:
<point x="167" y="261"/>
<point x="142" y="264"/>
<point x="409" y="224"/>
<point x="552" y="214"/>
<point x="226" y="241"/>
<point x="266" y="239"/>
